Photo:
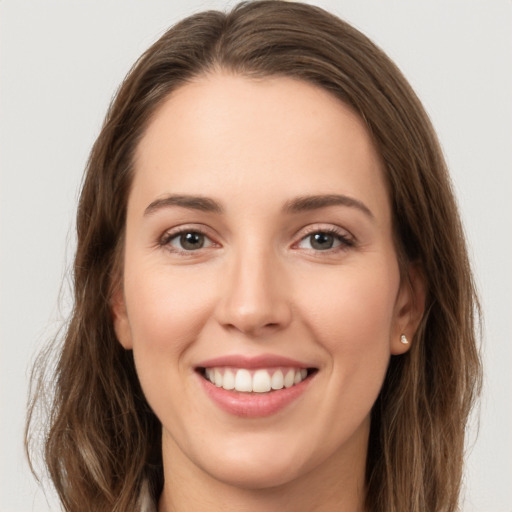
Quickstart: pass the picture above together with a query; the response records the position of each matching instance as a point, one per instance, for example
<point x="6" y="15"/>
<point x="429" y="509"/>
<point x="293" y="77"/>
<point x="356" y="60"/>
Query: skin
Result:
<point x="259" y="286"/>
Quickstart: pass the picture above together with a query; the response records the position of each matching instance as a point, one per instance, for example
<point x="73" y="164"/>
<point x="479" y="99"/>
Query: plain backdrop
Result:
<point x="60" y="63"/>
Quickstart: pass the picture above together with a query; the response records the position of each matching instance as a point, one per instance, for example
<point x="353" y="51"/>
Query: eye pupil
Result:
<point x="322" y="241"/>
<point x="191" y="241"/>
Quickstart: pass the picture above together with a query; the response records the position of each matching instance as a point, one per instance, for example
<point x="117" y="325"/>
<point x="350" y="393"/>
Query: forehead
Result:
<point x="278" y="136"/>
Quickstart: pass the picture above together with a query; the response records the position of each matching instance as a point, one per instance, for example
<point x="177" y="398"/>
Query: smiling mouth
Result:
<point x="262" y="380"/>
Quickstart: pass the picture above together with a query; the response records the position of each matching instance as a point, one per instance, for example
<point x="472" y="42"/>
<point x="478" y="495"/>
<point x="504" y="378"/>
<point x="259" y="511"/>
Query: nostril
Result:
<point x="251" y="327"/>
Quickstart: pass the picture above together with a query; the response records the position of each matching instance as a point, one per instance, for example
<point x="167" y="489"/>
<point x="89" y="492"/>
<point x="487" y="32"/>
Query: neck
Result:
<point x="337" y="484"/>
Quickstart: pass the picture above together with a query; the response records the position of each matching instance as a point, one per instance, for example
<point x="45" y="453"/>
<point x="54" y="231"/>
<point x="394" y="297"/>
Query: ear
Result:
<point x="120" y="318"/>
<point x="409" y="308"/>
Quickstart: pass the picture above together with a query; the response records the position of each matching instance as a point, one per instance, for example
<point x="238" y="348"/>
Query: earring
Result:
<point x="404" y="340"/>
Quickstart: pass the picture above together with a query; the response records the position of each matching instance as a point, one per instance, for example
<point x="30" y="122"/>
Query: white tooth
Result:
<point x="303" y="373"/>
<point x="297" y="377"/>
<point x="210" y="375"/>
<point x="288" y="379"/>
<point x="243" y="380"/>
<point x="229" y="380"/>
<point x="261" y="381"/>
<point x="218" y="378"/>
<point x="277" y="380"/>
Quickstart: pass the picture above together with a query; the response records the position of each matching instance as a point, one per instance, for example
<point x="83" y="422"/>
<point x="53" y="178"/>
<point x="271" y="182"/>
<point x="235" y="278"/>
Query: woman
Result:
<point x="273" y="304"/>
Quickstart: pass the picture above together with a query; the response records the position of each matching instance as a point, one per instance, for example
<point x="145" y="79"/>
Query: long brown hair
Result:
<point x="102" y="443"/>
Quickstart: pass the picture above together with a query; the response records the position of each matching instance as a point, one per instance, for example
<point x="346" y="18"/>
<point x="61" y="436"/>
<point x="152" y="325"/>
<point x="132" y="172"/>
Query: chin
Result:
<point x="258" y="461"/>
<point x="250" y="476"/>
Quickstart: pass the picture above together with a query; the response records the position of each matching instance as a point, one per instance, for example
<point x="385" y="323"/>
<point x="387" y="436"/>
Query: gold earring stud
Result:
<point x="404" y="340"/>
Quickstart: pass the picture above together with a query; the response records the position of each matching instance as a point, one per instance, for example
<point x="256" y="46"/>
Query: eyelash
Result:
<point x="168" y="237"/>
<point x="345" y="242"/>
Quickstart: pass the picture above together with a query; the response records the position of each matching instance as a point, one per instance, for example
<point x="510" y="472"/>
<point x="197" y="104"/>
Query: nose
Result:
<point x="255" y="295"/>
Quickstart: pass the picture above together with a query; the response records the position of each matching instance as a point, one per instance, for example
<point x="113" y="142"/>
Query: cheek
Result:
<point x="167" y="312"/>
<point x="352" y="317"/>
<point x="166" y="309"/>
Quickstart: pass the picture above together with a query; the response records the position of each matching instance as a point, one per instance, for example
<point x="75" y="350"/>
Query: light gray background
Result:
<point x="60" y="62"/>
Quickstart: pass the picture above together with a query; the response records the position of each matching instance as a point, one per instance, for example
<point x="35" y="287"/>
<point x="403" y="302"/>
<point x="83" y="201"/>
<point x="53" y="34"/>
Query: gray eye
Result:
<point x="321" y="241"/>
<point x="324" y="241"/>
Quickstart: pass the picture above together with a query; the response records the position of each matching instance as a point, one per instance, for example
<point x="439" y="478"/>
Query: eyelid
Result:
<point x="346" y="238"/>
<point x="168" y="235"/>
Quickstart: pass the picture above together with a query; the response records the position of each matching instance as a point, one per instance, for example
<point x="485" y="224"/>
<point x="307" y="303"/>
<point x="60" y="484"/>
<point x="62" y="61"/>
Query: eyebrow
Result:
<point x="204" y="204"/>
<point x="308" y="203"/>
<point x="296" y="205"/>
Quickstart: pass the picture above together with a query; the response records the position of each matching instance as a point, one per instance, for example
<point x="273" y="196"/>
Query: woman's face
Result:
<point x="259" y="255"/>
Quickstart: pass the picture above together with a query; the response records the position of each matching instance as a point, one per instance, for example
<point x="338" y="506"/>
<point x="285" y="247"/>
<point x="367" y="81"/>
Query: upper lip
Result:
<point x="261" y="361"/>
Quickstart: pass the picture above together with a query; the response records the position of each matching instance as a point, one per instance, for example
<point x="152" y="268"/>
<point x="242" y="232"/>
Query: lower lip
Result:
<point x="254" y="405"/>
